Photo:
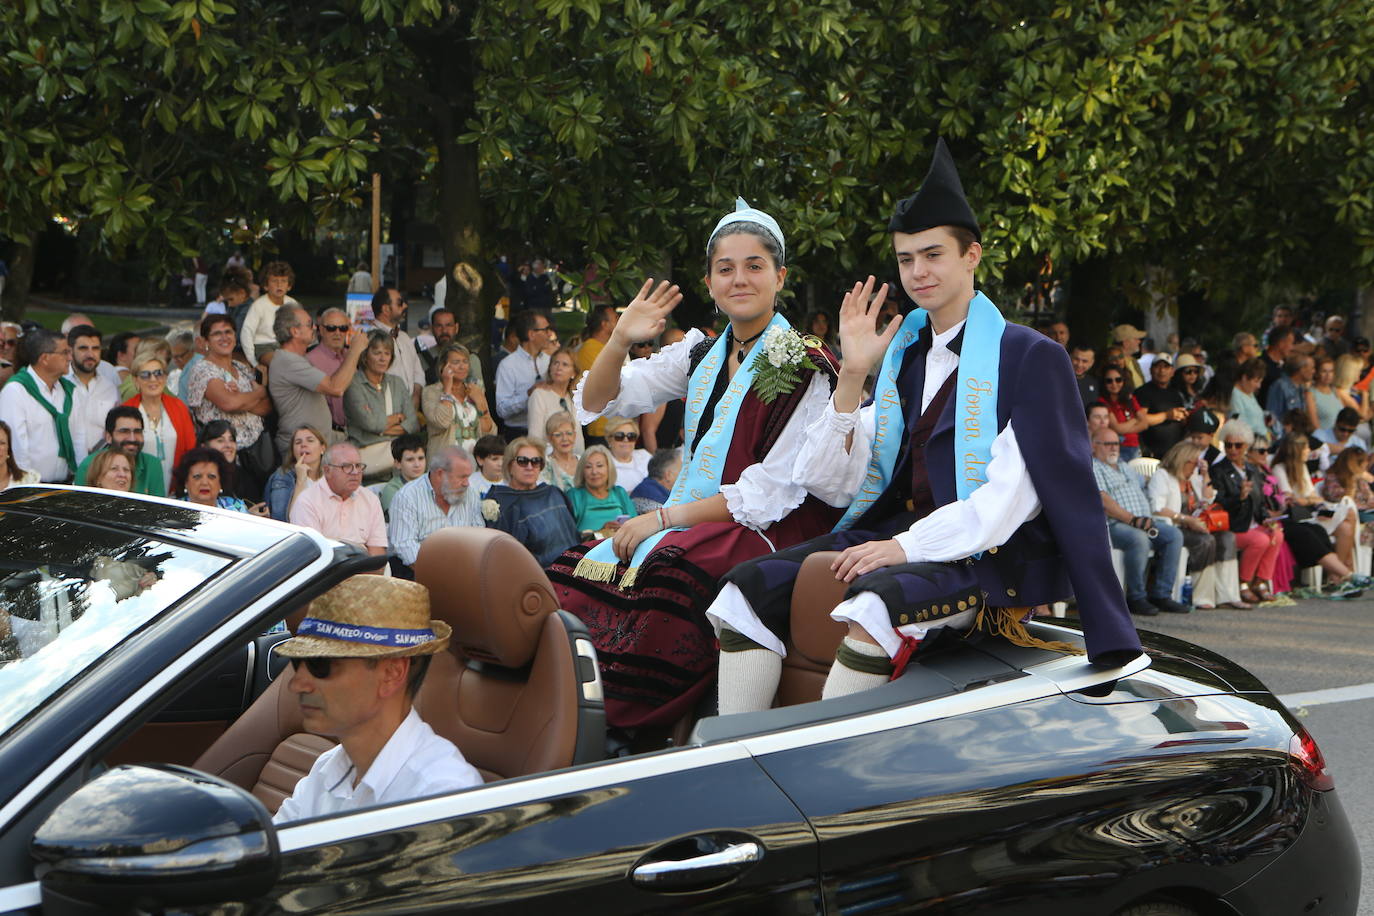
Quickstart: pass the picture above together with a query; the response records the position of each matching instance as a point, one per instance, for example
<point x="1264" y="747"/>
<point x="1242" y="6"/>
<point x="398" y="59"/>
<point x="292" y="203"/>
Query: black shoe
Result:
<point x="1142" y="608"/>
<point x="1170" y="606"/>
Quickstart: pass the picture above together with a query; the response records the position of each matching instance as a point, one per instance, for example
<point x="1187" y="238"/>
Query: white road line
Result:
<point x="1330" y="695"/>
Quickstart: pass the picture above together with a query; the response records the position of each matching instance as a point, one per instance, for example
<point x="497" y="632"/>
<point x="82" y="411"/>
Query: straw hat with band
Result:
<point x="368" y="617"/>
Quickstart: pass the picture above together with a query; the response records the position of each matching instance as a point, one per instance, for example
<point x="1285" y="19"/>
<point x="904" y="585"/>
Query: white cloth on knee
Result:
<point x="868" y="611"/>
<point x="731" y="609"/>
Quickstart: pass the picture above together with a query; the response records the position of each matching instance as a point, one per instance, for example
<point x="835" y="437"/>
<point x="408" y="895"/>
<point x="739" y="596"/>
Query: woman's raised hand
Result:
<point x="647" y="316"/>
<point x="861" y="342"/>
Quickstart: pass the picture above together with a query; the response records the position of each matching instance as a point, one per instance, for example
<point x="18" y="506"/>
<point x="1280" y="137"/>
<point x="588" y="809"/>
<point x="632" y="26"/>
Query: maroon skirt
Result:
<point x="656" y="649"/>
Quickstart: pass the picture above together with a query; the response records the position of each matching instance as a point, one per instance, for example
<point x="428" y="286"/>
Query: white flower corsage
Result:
<point x="778" y="365"/>
<point x="491" y="510"/>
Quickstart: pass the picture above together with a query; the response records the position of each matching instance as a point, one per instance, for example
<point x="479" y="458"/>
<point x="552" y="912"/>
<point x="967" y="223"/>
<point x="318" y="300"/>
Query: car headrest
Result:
<point x="490" y="589"/>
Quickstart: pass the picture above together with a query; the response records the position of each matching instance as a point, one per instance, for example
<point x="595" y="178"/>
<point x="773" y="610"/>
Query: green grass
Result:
<point x="105" y="324"/>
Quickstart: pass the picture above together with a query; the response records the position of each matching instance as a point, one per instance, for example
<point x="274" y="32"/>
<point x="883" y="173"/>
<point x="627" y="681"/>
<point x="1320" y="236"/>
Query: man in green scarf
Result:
<point x="36" y="404"/>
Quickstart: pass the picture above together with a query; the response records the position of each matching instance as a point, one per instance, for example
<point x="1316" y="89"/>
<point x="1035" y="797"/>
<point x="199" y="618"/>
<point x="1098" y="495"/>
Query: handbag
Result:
<point x="1216" y="518"/>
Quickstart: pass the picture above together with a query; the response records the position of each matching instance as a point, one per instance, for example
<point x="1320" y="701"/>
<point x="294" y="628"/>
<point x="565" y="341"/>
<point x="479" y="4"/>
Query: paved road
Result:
<point x="1302" y="653"/>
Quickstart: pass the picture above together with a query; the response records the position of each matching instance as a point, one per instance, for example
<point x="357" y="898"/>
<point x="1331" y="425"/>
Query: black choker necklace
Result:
<point x="744" y="344"/>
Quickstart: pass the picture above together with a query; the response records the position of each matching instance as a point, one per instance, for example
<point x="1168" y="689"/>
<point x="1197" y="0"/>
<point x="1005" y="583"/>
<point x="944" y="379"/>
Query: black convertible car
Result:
<point x="145" y="741"/>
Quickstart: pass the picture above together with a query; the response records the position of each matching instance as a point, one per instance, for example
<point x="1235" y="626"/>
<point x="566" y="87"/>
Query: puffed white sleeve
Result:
<point x="988" y="518"/>
<point x="825" y="467"/>
<point x="765" y="492"/>
<point x="645" y="383"/>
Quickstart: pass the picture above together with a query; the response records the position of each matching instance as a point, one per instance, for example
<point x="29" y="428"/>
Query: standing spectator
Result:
<point x="1127" y="418"/>
<point x="653" y="490"/>
<point x="1291" y="392"/>
<point x="534" y="513"/>
<point x="119" y="353"/>
<point x="1081" y="356"/>
<point x="408" y="463"/>
<point x="601" y="321"/>
<point x="1134" y="532"/>
<point x="454" y="406"/>
<point x="1244" y="347"/>
<point x="111" y="469"/>
<point x="361" y="281"/>
<point x="257" y="337"/>
<point x="1158" y="397"/>
<point x="10" y="333"/>
<point x="443" y="498"/>
<point x="339" y="507"/>
<point x="221" y="388"/>
<point x="1058" y="331"/>
<point x="1178" y="491"/>
<point x="167" y="428"/>
<point x="124" y="431"/>
<point x="1278" y="348"/>
<point x="596" y="501"/>
<point x="234" y="292"/>
<point x="1281" y="317"/>
<point x="490" y="455"/>
<point x="1325" y="401"/>
<point x="37" y="405"/>
<point x="389" y="315"/>
<point x="1188" y="375"/>
<point x="201" y="272"/>
<point x="554" y="394"/>
<point x="329" y="357"/>
<point x="1128" y="338"/>
<point x="1349" y="368"/>
<point x="510" y="342"/>
<point x="539" y="293"/>
<point x="92" y="394"/>
<point x="378" y="405"/>
<point x="150" y="346"/>
<point x="1244" y="406"/>
<point x="518" y="373"/>
<point x="299" y="389"/>
<point x="1334" y="342"/>
<point x="181" y="344"/>
<point x="302" y="466"/>
<point x="561" y="469"/>
<point x="11" y="474"/>
<point x="631" y="464"/>
<point x="818" y="325"/>
<point x="443" y="324"/>
<point x="1308" y="526"/>
<point x="1240" y="491"/>
<point x="201" y="477"/>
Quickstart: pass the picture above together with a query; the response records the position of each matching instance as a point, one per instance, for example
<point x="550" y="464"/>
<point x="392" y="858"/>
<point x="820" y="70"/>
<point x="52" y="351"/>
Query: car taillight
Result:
<point x="1309" y="763"/>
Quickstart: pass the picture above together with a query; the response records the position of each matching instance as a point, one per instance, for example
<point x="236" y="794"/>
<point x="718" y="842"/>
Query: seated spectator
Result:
<point x="596" y="501"/>
<point x="554" y="395"/>
<point x="111" y="469"/>
<point x="1134" y="532"/>
<point x="653" y="490"/>
<point x="124" y="431"/>
<point x="455" y="408"/>
<point x="118" y="354"/>
<point x="199" y="478"/>
<point x="219" y="435"/>
<point x="441" y="498"/>
<point x="222" y="388"/>
<point x="1180" y="489"/>
<point x="378" y="406"/>
<point x="1349" y="478"/>
<point x="534" y="513"/>
<point x="1309" y="525"/>
<point x="1240" y="485"/>
<point x="11" y="474"/>
<point x="302" y="466"/>
<point x="1325" y="402"/>
<point x="1098" y="417"/>
<point x="631" y="464"/>
<point x="1244" y="402"/>
<point x="408" y="463"/>
<point x="362" y="694"/>
<point x="1127" y="418"/>
<point x="168" y="431"/>
<point x="339" y="506"/>
<point x="1291" y="390"/>
<point x="563" y="434"/>
<point x="1349" y="369"/>
<point x="1343" y="433"/>
<point x="490" y="454"/>
<point x="1201" y="430"/>
<point x="1157" y="397"/>
<point x="299" y="390"/>
<point x="10" y="332"/>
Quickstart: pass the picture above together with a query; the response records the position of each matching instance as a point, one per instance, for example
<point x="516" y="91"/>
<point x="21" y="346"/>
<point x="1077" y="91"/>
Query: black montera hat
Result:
<point x="940" y="200"/>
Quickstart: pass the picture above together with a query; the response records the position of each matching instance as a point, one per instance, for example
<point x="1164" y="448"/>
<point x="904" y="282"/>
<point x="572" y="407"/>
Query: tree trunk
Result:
<point x="16" y="297"/>
<point x="1091" y="296"/>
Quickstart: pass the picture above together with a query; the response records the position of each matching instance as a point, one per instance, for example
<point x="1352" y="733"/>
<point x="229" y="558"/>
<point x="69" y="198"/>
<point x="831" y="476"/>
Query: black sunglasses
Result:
<point x="528" y="461"/>
<point x="339" y="328"/>
<point x="1345" y="429"/>
<point x="320" y="668"/>
<point x="147" y="374"/>
<point x="625" y="437"/>
<point x="1112" y="381"/>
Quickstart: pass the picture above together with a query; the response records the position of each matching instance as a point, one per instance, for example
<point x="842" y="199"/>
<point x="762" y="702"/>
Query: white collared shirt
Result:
<point x="90" y="404"/>
<point x="414" y="763"/>
<point x="33" y="433"/>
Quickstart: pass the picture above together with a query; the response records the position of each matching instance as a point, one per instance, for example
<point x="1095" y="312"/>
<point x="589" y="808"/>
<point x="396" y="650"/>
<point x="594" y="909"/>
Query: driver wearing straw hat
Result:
<point x="359" y="657"/>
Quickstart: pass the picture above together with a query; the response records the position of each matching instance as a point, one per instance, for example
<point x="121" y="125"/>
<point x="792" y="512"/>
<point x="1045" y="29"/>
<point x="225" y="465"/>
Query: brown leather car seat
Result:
<point x="519" y="691"/>
<point x="814" y="636"/>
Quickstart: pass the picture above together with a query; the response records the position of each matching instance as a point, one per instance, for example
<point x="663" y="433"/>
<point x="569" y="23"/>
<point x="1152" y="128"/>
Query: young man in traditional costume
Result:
<point x="751" y="394"/>
<point x="968" y="481"/>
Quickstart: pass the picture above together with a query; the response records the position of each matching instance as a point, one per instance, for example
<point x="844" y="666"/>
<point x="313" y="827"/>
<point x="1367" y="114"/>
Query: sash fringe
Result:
<point x="1006" y="622"/>
<point x="627" y="581"/>
<point x="595" y="570"/>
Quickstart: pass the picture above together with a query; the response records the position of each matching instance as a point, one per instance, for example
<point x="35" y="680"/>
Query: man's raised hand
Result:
<point x="861" y="342"/>
<point x="647" y="316"/>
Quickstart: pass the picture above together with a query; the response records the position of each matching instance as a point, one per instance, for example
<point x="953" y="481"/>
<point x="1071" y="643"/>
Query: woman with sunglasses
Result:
<point x="1240" y="487"/>
<point x="1127" y="419"/>
<point x="1187" y="379"/>
<point x="534" y="513"/>
<point x="168" y="432"/>
<point x="644" y="591"/>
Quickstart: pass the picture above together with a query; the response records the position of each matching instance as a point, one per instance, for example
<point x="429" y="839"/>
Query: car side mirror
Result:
<point x="152" y="837"/>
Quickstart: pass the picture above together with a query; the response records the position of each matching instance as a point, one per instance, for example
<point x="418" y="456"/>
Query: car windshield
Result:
<point x="70" y="593"/>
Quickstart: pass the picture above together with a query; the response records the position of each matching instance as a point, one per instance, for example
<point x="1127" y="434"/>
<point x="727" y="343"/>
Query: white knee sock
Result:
<point x="844" y="679"/>
<point x="748" y="680"/>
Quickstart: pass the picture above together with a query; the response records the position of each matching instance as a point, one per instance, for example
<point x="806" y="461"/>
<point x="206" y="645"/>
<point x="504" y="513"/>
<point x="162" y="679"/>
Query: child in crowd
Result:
<point x="490" y="454"/>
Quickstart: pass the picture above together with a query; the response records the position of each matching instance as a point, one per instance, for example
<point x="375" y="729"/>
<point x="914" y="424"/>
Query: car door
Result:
<point x="693" y="829"/>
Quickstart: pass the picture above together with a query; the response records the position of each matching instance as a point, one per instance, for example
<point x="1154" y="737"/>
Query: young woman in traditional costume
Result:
<point x="751" y="393"/>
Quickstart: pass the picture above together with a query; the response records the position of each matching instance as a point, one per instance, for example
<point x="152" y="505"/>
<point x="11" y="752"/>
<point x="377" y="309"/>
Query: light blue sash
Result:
<point x="975" y="391"/>
<point x="700" y="475"/>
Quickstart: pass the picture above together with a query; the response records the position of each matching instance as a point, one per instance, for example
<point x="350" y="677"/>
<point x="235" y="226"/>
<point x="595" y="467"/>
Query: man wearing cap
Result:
<point x="970" y="493"/>
<point x="1158" y="397"/>
<point x="359" y="658"/>
<point x="1128" y="338"/>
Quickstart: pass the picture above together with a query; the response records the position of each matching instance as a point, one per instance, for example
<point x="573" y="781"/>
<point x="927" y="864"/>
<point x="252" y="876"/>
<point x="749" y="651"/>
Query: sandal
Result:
<point x="1263" y="591"/>
<point x="1247" y="596"/>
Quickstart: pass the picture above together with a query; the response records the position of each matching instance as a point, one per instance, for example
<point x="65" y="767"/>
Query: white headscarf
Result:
<point x="743" y="213"/>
